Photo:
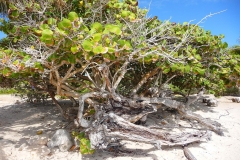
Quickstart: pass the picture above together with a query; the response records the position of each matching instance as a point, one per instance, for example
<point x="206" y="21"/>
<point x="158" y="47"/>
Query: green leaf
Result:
<point x="97" y="49"/>
<point x="237" y="68"/>
<point x="65" y="24"/>
<point x="38" y="65"/>
<point x="87" y="45"/>
<point x="97" y="37"/>
<point x="89" y="55"/>
<point x="148" y="58"/>
<point x="47" y="34"/>
<point x="187" y="68"/>
<point x="225" y="45"/>
<point x="178" y="32"/>
<point x="37" y="6"/>
<point x="47" y="42"/>
<point x="52" y="21"/>
<point x="14" y="14"/>
<point x="44" y="26"/>
<point x="127" y="45"/>
<point x="175" y="54"/>
<point x="84" y="28"/>
<point x="71" y="58"/>
<point x="60" y="31"/>
<point x="111" y="50"/>
<point x="85" y="90"/>
<point x="6" y="72"/>
<point x="125" y="13"/>
<point x="121" y="42"/>
<point x="16" y="62"/>
<point x="174" y="67"/>
<point x="85" y="146"/>
<point x="132" y="16"/>
<point x="8" y="51"/>
<point x="181" y="68"/>
<point x="109" y="56"/>
<point x="24" y="29"/>
<point x="73" y="16"/>
<point x="113" y="29"/>
<point x="37" y="32"/>
<point x="104" y="50"/>
<point x="74" y="49"/>
<point x="92" y="111"/>
<point x="166" y="70"/>
<point x="97" y="27"/>
<point x="116" y="30"/>
<point x="12" y="7"/>
<point x="26" y="58"/>
<point x="198" y="57"/>
<point x="13" y="30"/>
<point x="81" y="135"/>
<point x="200" y="71"/>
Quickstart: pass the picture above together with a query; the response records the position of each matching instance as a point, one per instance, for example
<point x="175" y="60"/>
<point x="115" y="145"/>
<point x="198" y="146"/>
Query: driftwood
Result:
<point x="188" y="154"/>
<point x="115" y="120"/>
<point x="114" y="127"/>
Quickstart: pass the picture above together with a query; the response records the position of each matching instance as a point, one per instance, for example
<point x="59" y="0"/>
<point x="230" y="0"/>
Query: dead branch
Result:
<point x="80" y="119"/>
<point x="179" y="106"/>
<point x="113" y="126"/>
<point x="143" y="80"/>
<point x="188" y="154"/>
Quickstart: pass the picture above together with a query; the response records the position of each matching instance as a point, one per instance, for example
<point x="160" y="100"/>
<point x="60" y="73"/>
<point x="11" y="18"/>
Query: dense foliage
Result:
<point x="75" y="35"/>
<point x="109" y="49"/>
<point x="232" y="62"/>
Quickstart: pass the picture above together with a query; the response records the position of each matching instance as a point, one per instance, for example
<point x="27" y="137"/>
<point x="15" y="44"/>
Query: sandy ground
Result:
<point x="20" y="122"/>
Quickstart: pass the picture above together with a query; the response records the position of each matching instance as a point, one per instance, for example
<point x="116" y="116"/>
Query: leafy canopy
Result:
<point x="58" y="40"/>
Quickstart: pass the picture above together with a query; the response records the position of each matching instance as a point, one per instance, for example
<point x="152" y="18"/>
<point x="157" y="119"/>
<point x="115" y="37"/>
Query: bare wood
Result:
<point x="169" y="79"/>
<point x="143" y="80"/>
<point x="80" y="119"/>
<point x="67" y="75"/>
<point x="123" y="71"/>
<point x="208" y="123"/>
<point x="180" y="107"/>
<point x="105" y="76"/>
<point x="188" y="154"/>
<point x="117" y="127"/>
<point x="134" y="119"/>
<point x="73" y="101"/>
<point x="158" y="80"/>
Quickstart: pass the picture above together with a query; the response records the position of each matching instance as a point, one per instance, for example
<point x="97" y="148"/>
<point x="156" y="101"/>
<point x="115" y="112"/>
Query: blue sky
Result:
<point x="227" y="23"/>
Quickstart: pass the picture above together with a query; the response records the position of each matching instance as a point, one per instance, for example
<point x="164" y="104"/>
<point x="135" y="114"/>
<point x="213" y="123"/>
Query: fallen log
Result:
<point x="115" y="127"/>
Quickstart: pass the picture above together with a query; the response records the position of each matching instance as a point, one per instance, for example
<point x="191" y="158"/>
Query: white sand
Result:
<point x="19" y="122"/>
